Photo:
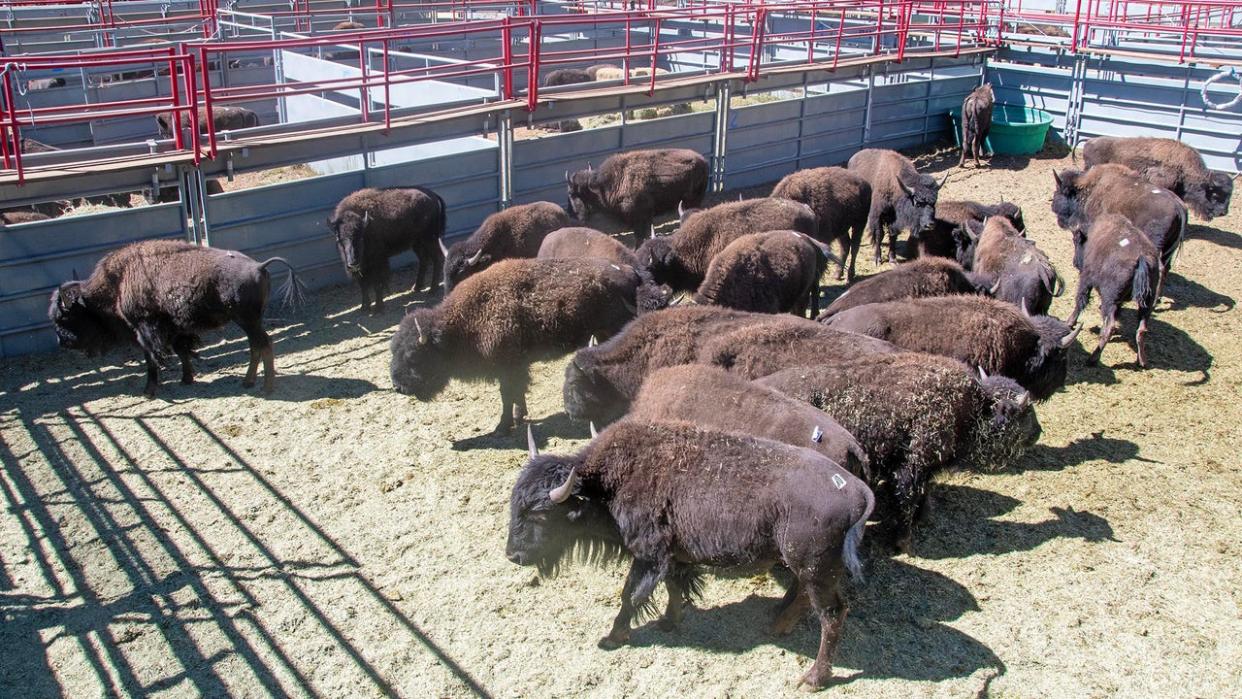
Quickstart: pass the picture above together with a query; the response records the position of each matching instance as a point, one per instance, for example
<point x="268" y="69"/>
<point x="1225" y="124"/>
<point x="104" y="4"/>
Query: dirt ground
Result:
<point x="338" y="539"/>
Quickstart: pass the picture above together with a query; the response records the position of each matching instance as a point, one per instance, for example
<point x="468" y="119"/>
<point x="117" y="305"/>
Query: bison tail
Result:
<point x="1167" y="258"/>
<point x="1142" y="291"/>
<point x="293" y="292"/>
<point x="853" y="539"/>
<point x="442" y="217"/>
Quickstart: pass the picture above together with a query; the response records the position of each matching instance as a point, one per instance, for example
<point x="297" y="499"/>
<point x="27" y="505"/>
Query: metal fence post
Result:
<point x="867" y="112"/>
<point x="721" y="136"/>
<point x="504" y="146"/>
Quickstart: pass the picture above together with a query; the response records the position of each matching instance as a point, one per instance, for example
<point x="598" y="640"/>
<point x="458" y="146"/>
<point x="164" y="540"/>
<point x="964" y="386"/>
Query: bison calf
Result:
<point x="1012" y="268"/>
<point x="976" y="122"/>
<point x="498" y="322"/>
<point x="980" y="331"/>
<point x="672" y="497"/>
<point x="1116" y="258"/>
<point x="637" y="186"/>
<point x="841" y="201"/>
<point x="1167" y="163"/>
<point x="916" y="414"/>
<point x="515" y="232"/>
<point x="770" y="272"/>
<point x="372" y="225"/>
<point x="901" y="198"/>
<point x="161" y="294"/>
<point x="926" y="276"/>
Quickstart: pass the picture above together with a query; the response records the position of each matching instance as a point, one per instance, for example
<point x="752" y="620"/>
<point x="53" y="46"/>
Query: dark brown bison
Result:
<point x="168" y="195"/>
<point x="161" y="294"/>
<point x="1081" y="197"/>
<point x="950" y="235"/>
<point x="567" y="76"/>
<point x="901" y="198"/>
<point x="515" y="232"/>
<point x="977" y="330"/>
<point x="1170" y="164"/>
<point x="926" y="276"/>
<point x="841" y="201"/>
<point x="29" y="145"/>
<point x="601" y="381"/>
<point x="372" y="225"/>
<point x="1013" y="268"/>
<point x="222" y="118"/>
<point x="571" y="243"/>
<point x="713" y="398"/>
<point x="495" y="324"/>
<point x="976" y="122"/>
<point x="11" y="217"/>
<point x="769" y="272"/>
<point x="637" y="186"/>
<point x="1119" y="261"/>
<point x="672" y="497"/>
<point x="916" y="414"/>
<point x="681" y="259"/>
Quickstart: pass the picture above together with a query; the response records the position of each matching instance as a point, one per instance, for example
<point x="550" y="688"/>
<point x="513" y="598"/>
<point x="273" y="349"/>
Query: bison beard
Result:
<point x="672" y="497"/>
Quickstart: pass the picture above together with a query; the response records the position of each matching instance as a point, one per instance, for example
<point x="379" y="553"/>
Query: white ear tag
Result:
<point x="838" y="481"/>
<point x="817" y="435"/>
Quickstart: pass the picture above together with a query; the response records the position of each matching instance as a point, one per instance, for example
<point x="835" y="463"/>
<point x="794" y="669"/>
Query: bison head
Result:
<point x="350" y="229"/>
<point x="77" y="325"/>
<point x="1210" y="199"/>
<point x="583" y="198"/>
<point x="916" y="211"/>
<point x="420" y="362"/>
<point x="462" y="260"/>
<point x="1045" y="371"/>
<point x="588" y="394"/>
<point x="656" y="256"/>
<point x="1067" y="199"/>
<point x="1013" y="212"/>
<point x="1009" y="425"/>
<point x="652" y="297"/>
<point x="550" y="515"/>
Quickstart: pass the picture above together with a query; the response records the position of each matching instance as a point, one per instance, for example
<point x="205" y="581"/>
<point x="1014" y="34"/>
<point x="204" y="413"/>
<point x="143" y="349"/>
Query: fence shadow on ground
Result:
<point x="137" y="548"/>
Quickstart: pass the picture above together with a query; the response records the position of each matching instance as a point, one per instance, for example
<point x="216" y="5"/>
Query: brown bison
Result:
<point x="841" y="201"/>
<point x="681" y="259"/>
<point x="901" y="198"/>
<point x="9" y="218"/>
<point x="1116" y="258"/>
<point x="346" y="25"/>
<point x="1013" y="268"/>
<point x="372" y="225"/>
<point x="570" y="243"/>
<point x="1170" y="164"/>
<point x="673" y="497"/>
<point x="637" y="186"/>
<point x="983" y="332"/>
<point x="915" y="415"/>
<point x="161" y="294"/>
<point x="222" y="119"/>
<point x="495" y="324"/>
<point x="950" y="235"/>
<point x="515" y="232"/>
<point x="769" y="272"/>
<point x="926" y="276"/>
<point x="976" y="122"/>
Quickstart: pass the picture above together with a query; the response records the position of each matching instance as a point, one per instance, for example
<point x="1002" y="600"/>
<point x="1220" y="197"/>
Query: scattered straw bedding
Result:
<point x="338" y="539"/>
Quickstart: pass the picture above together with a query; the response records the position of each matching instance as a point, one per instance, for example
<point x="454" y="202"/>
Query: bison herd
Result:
<point x="736" y="432"/>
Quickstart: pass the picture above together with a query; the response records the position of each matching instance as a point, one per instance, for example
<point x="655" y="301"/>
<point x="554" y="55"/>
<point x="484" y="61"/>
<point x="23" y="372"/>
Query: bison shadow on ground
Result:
<point x="963" y="523"/>
<point x="1216" y="236"/>
<point x="1186" y="293"/>
<point x="1168" y="348"/>
<point x="557" y="426"/>
<point x="1097" y="447"/>
<point x="881" y="639"/>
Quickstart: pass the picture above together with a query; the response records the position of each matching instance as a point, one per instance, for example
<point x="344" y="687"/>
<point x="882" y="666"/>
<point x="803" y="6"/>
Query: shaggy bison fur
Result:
<point x="901" y="198"/>
<point x="637" y="186"/>
<point x="983" y="332"/>
<point x="769" y="272"/>
<point x="841" y="201"/>
<point x="926" y="276"/>
<point x="976" y="122"/>
<point x="222" y="119"/>
<point x="672" y="497"/>
<point x="569" y="243"/>
<point x="915" y="415"/>
<point x="372" y="225"/>
<point x="515" y="232"/>
<point x="1116" y="259"/>
<point x="9" y="218"/>
<point x="161" y="294"/>
<point x="1012" y="268"/>
<point x="496" y="323"/>
<point x="950" y="235"/>
<point x="1170" y="164"/>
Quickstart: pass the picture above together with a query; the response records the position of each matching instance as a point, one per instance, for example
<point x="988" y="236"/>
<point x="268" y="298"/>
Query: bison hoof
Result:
<point x="612" y="642"/>
<point x="247" y="383"/>
<point x="187" y="380"/>
<point x="814" y="680"/>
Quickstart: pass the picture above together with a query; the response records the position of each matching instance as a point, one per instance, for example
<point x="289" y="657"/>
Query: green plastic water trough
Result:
<point x="1015" y="130"/>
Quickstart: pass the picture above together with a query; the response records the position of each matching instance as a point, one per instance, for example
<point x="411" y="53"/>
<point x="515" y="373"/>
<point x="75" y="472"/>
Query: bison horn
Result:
<point x="996" y="287"/>
<point x="594" y="434"/>
<point x="422" y="339"/>
<point x="75" y="274"/>
<point x="1025" y="311"/>
<point x="739" y="196"/>
<point x="530" y="442"/>
<point x="589" y="168"/>
<point x="366" y="218"/>
<point x="1073" y="335"/>
<point x="1024" y="399"/>
<point x="983" y="375"/>
<point x="1057" y="177"/>
<point x="904" y="187"/>
<point x="681" y="210"/>
<point x="593" y="341"/>
<point x="443" y="247"/>
<point x="474" y="259"/>
<point x="567" y="177"/>
<point x="946" y="179"/>
<point x="562" y="492"/>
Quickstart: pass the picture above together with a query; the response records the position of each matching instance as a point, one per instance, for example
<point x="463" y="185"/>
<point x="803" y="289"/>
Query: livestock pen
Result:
<point x="338" y="539"/>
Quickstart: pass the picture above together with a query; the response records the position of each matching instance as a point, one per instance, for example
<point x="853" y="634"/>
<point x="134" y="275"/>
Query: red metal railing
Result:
<point x="108" y="20"/>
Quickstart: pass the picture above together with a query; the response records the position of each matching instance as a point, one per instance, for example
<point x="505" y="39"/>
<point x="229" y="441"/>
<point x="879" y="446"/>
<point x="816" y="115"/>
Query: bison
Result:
<point x="983" y="332"/>
<point x="1114" y="257"/>
<point x="976" y="122"/>
<point x="29" y="145"/>
<point x="841" y="201"/>
<point x="1013" y="268"/>
<point x="638" y="186"/>
<point x="926" y="276"/>
<point x="950" y="235"/>
<point x="601" y="381"/>
<point x="713" y="398"/>
<point x="347" y="25"/>
<point x="681" y="259"/>
<point x="567" y="76"/>
<point x="1170" y="164"/>
<point x="161" y="294"/>
<point x="40" y="84"/>
<point x="11" y="217"/>
<point x="769" y="272"/>
<point x="496" y="323"/>
<point x="916" y="414"/>
<point x="515" y="232"/>
<point x="901" y="198"/>
<point x="672" y="497"/>
<point x="372" y="225"/>
<point x="1081" y="197"/>
<point x="222" y="119"/>
<point x="573" y="242"/>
